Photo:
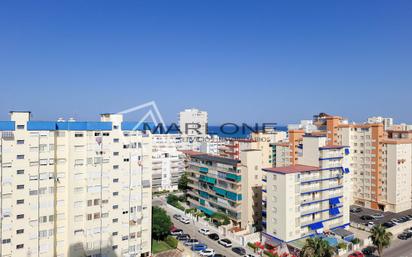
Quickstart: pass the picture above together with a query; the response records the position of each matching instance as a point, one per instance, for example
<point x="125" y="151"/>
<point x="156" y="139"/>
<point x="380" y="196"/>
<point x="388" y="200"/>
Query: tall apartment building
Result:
<point x="228" y="186"/>
<point x="381" y="166"/>
<point x="309" y="197"/>
<point x="193" y="122"/>
<point x="73" y="188"/>
<point x="167" y="162"/>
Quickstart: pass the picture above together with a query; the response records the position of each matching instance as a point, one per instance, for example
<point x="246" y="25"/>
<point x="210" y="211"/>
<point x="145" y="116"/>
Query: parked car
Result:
<point x="214" y="236"/>
<point x="177" y="216"/>
<point x="239" y="250"/>
<point x="355" y="209"/>
<point x="219" y="255"/>
<point x="185" y="220"/>
<point x="225" y="242"/>
<point x="368" y="250"/>
<point x="388" y="224"/>
<point x="403" y="236"/>
<point x="378" y="215"/>
<point x="207" y="252"/>
<point x="356" y="254"/>
<point x="366" y="217"/>
<point x="408" y="230"/>
<point x="204" y="231"/>
<point x="192" y="241"/>
<point x="198" y="247"/>
<point x="369" y="224"/>
<point x="176" y="232"/>
<point x="183" y="237"/>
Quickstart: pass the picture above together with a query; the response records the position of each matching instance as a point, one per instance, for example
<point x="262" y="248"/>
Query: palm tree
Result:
<point x="380" y="238"/>
<point x="317" y="247"/>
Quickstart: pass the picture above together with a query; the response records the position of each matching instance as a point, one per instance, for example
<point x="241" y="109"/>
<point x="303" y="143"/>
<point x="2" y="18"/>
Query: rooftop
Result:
<point x="212" y="158"/>
<point x="291" y="169"/>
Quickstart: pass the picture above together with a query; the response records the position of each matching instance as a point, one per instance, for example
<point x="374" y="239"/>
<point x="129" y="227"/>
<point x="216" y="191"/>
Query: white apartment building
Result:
<point x="193" y="122"/>
<point x="73" y="188"/>
<point x="168" y="164"/>
<point x="309" y="197"/>
<point x="387" y="122"/>
<point x="212" y="144"/>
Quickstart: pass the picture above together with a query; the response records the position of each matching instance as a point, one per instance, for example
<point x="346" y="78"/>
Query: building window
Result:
<point x="20" y="157"/>
<point x="115" y="180"/>
<point x="115" y="207"/>
<point x="20" y="201"/>
<point x="78" y="135"/>
<point x="20" y="246"/>
<point x="20" y="126"/>
<point x="20" y="142"/>
<point x="6" y="241"/>
<point x="116" y="154"/>
<point x="115" y="193"/>
<point x="115" y="140"/>
<point x="20" y="172"/>
<point x="20" y="231"/>
<point x="20" y="186"/>
<point x="20" y="216"/>
<point x="115" y="220"/>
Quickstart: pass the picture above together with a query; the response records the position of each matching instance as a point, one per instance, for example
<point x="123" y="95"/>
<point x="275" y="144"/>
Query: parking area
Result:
<point x="364" y="216"/>
<point x="202" y="239"/>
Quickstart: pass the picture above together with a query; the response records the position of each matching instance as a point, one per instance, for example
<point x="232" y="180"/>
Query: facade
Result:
<point x="309" y="197"/>
<point x="167" y="164"/>
<point x="75" y="188"/>
<point x="193" y="122"/>
<point x="379" y="166"/>
<point x="228" y="186"/>
<point x="387" y="122"/>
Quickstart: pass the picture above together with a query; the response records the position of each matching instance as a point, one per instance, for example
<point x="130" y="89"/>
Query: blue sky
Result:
<point x="251" y="61"/>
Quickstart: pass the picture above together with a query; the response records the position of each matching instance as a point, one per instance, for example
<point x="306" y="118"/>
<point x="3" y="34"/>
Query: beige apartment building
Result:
<point x="226" y="185"/>
<point x="73" y="188"/>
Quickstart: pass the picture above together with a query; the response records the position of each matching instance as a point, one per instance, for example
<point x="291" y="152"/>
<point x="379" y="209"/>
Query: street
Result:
<point x="192" y="230"/>
<point x="399" y="248"/>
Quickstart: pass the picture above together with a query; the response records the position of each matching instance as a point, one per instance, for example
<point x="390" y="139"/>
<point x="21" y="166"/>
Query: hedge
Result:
<point x="171" y="241"/>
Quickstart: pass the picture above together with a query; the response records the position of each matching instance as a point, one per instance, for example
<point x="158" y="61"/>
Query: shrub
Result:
<point x="267" y="253"/>
<point x="171" y="241"/>
<point x="342" y="246"/>
<point x="171" y="198"/>
<point x="252" y="245"/>
<point x="356" y="241"/>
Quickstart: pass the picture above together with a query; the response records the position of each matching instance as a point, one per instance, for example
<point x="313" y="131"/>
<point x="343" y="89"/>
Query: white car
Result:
<point x="225" y="242"/>
<point x="204" y="231"/>
<point x="207" y="252"/>
<point x="185" y="220"/>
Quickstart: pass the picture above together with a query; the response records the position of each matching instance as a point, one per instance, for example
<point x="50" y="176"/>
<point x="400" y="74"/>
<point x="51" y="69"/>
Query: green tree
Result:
<point x="317" y="247"/>
<point x="380" y="238"/>
<point x="161" y="223"/>
<point x="182" y="184"/>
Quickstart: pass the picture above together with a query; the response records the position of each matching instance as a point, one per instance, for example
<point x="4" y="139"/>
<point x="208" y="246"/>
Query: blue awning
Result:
<point x="334" y="211"/>
<point x="334" y="200"/>
<point x="316" y="226"/>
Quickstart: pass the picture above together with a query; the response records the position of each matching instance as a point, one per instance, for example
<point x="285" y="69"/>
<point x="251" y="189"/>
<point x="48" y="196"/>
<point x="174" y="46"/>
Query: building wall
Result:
<point x="167" y="162"/>
<point x="251" y="172"/>
<point x="75" y="192"/>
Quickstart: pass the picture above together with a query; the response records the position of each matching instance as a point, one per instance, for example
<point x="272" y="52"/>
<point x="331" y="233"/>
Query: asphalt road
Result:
<point x="192" y="230"/>
<point x="399" y="248"/>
